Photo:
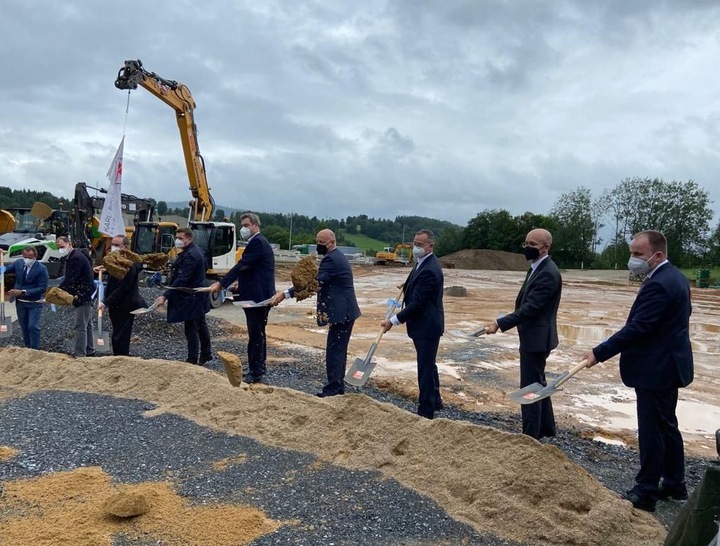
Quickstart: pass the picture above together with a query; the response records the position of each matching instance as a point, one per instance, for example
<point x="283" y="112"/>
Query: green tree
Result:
<point x="681" y="210"/>
<point x="575" y="236"/>
<point x="162" y="208"/>
<point x="450" y="241"/>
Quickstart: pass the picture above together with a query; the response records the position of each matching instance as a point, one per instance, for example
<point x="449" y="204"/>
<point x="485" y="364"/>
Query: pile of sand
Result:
<point x="479" y="258"/>
<point x="506" y="484"/>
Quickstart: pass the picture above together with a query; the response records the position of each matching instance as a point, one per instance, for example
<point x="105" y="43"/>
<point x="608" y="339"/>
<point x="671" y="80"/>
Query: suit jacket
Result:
<point x="34" y="283"/>
<point x="536" y="309"/>
<point x="124" y="294"/>
<point x="79" y="279"/>
<point x="654" y="344"/>
<point x="423" y="300"/>
<point x="188" y="271"/>
<point x="336" y="301"/>
<point x="255" y="272"/>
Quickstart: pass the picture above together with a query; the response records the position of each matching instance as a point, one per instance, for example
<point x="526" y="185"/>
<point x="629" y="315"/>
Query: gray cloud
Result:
<point x="381" y="108"/>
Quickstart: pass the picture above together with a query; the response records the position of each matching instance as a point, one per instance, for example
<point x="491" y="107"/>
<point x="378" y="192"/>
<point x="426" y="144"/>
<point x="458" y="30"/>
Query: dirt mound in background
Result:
<point x="481" y="258"/>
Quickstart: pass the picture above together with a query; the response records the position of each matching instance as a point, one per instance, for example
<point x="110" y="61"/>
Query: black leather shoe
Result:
<point x="204" y="359"/>
<point x="439" y="406"/>
<point x="191" y="361"/>
<point x="256" y="378"/>
<point x="323" y="394"/>
<point x="672" y="493"/>
<point x="641" y="503"/>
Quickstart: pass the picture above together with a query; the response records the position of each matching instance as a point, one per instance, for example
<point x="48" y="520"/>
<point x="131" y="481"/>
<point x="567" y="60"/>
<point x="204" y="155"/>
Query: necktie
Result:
<point x="527" y="278"/>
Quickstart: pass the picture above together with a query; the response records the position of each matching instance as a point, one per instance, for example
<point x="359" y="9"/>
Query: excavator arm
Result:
<point x="178" y="97"/>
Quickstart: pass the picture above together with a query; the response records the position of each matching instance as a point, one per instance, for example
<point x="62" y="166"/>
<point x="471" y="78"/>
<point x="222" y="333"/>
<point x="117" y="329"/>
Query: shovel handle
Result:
<point x="568" y="374"/>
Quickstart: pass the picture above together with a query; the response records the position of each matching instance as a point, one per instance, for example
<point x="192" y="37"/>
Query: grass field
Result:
<point x="364" y="242"/>
<point x="691" y="273"/>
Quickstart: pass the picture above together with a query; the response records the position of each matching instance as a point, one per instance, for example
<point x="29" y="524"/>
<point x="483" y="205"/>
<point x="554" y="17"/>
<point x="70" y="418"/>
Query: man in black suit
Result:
<point x="31" y="280"/>
<point x="255" y="273"/>
<point x="121" y="297"/>
<point x="336" y="306"/>
<point x="655" y="359"/>
<point x="185" y="305"/>
<point x="425" y="318"/>
<point x="535" y="316"/>
<point x="80" y="282"/>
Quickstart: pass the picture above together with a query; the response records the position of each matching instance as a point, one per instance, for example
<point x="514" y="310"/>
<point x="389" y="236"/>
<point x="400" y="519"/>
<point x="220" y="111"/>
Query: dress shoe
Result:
<point x="191" y="361"/>
<point x="323" y="394"/>
<point x="641" y="503"/>
<point x="204" y="359"/>
<point x="252" y="378"/>
<point x="672" y="493"/>
<point x="439" y="406"/>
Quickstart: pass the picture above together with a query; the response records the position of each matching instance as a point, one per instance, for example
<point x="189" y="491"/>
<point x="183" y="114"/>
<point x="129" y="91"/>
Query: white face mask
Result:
<point x="29" y="261"/>
<point x="62" y="251"/>
<point x="418" y="252"/>
<point x="638" y="266"/>
<point x="179" y="243"/>
<point x="115" y="248"/>
<point x="245" y="233"/>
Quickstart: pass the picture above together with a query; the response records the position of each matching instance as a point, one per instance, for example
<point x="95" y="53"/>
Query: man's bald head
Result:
<point x="540" y="235"/>
<point x="326" y="237"/>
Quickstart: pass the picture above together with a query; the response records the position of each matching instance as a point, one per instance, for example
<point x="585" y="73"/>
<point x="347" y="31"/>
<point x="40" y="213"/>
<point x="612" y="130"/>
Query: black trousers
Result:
<point x="256" y="319"/>
<point x="336" y="356"/>
<point x="122" y="323"/>
<point x="198" y="339"/>
<point x="428" y="378"/>
<point x="538" y="419"/>
<point x="661" y="445"/>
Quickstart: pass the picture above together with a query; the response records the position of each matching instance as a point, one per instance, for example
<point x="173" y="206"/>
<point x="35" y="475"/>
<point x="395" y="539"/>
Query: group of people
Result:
<point x="654" y="345"/>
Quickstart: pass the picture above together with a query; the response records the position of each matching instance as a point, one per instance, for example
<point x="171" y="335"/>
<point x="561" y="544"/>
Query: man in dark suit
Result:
<point x="655" y="359"/>
<point x="185" y="305"/>
<point x="336" y="306"/>
<point x="121" y="297"/>
<point x="31" y="280"/>
<point x="425" y="318"/>
<point x="80" y="282"/>
<point x="255" y="273"/>
<point x="535" y="316"/>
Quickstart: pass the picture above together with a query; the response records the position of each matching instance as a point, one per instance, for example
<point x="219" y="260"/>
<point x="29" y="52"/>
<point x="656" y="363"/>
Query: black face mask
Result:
<point x="321" y="249"/>
<point x="531" y="253"/>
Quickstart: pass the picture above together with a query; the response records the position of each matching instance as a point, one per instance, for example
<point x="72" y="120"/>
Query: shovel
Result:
<point x="360" y="371"/>
<point x="144" y="310"/>
<point x="5" y="321"/>
<point x="536" y="392"/>
<point x="102" y="339"/>
<point x="468" y="335"/>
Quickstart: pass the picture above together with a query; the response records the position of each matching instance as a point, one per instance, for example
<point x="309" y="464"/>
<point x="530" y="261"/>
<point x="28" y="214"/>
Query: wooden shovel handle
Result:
<point x="572" y="371"/>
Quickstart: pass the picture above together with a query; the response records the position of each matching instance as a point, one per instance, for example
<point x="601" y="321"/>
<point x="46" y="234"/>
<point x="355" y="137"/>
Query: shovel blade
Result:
<point x="102" y="341"/>
<point x="6" y="327"/>
<point x="359" y="372"/>
<point x="532" y="393"/>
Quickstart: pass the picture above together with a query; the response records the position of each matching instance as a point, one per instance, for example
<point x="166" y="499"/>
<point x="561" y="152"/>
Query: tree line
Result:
<point x="588" y="231"/>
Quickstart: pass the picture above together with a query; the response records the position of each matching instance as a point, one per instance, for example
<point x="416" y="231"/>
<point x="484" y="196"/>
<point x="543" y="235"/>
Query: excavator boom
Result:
<point x="178" y="97"/>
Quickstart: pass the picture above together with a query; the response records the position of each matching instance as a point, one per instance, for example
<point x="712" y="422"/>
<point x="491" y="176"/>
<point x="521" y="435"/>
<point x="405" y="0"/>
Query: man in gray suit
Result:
<point x="535" y="316"/>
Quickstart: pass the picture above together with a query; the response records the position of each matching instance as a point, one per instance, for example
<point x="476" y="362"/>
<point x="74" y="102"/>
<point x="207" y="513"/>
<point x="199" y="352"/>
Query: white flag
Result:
<point x="111" y="219"/>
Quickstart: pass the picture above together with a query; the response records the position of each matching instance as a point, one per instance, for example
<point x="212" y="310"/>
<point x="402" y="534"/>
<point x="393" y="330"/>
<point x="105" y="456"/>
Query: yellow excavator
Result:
<point x="401" y="254"/>
<point x="217" y="239"/>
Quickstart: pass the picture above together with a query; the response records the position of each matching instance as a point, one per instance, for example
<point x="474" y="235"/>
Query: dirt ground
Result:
<point x="478" y="374"/>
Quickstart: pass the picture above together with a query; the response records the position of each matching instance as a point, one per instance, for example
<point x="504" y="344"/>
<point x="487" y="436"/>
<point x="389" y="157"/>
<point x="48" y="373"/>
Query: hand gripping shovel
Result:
<point x="102" y="340"/>
<point x="360" y="371"/>
<point x="536" y="392"/>
<point x="143" y="310"/>
<point x="5" y="320"/>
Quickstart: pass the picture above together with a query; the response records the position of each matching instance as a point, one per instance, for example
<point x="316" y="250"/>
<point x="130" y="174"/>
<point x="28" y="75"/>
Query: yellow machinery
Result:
<point x="400" y="255"/>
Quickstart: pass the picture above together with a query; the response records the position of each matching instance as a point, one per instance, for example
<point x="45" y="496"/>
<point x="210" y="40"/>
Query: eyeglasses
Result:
<point x="531" y="244"/>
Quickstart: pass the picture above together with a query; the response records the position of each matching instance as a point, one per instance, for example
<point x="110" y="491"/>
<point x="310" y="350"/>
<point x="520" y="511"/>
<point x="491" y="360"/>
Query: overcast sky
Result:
<point x="333" y="108"/>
